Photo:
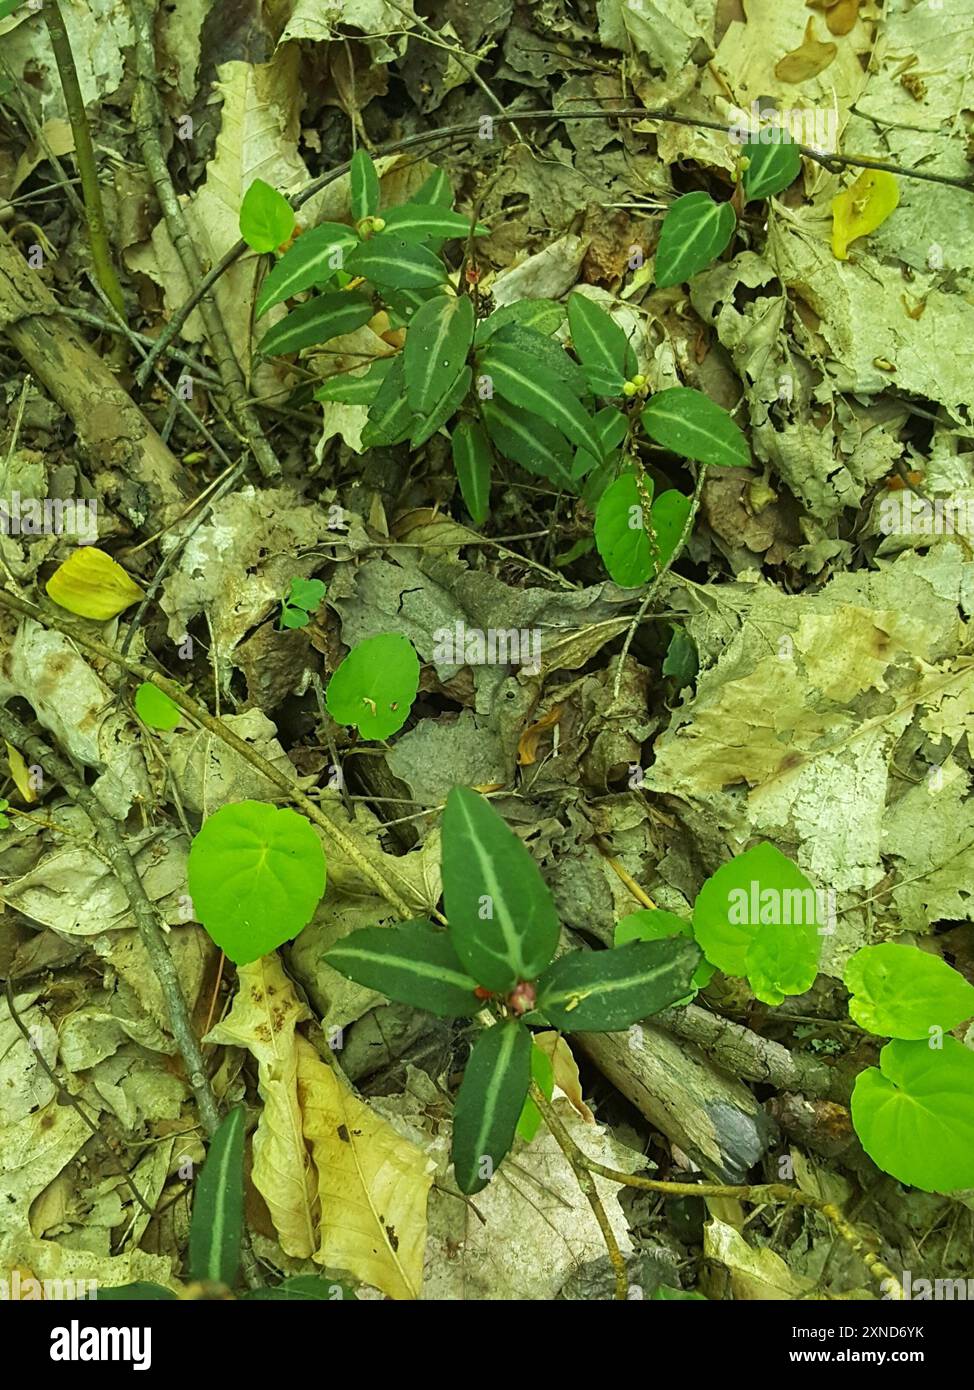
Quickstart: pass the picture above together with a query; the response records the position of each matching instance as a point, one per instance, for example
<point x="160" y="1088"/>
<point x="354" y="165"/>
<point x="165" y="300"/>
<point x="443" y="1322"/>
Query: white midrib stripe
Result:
<point x="213" y="1259"/>
<point x="490" y="1107"/>
<point x="608" y="986"/>
<point x="504" y="920"/>
<point x="415" y="967"/>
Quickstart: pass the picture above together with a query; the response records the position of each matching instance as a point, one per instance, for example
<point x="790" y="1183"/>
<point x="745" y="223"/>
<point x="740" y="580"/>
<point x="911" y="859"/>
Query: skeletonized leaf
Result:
<point x="503" y="921"/>
<point x="694" y="233"/>
<point x="690" y="423"/>
<point x="372" y="1183"/>
<point x="314" y="258"/>
<point x="411" y="962"/>
<point x="489" y="1103"/>
<point x="606" y="991"/>
<point x="439" y="338"/>
<point x="218" y="1205"/>
<point x="322" y="318"/>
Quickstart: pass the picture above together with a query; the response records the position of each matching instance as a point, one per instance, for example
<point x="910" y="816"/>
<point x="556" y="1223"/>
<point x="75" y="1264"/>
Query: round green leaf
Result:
<point x="694" y="233"/>
<point x="903" y="992"/>
<point x="375" y="686"/>
<point x="692" y="425"/>
<point x="915" y="1114"/>
<point x="653" y="924"/>
<point x="154" y="707"/>
<point x="256" y="875"/>
<point x="266" y="217"/>
<point x="621" y="535"/>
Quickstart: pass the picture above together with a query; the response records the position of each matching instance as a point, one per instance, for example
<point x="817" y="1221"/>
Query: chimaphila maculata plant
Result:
<point x="552" y="387"/>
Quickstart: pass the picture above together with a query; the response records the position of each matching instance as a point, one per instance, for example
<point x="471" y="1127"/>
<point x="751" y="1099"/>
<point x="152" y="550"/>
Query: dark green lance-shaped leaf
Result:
<point x="445" y="408"/>
<point x="515" y="376"/>
<point x="502" y="917"/>
<point x="612" y="426"/>
<point x="526" y="439"/>
<point x="489" y="1103"/>
<point x="473" y="459"/>
<point x="437" y="189"/>
<point x="692" y="425"/>
<point x="218" y="1206"/>
<point x="390" y="419"/>
<point x="314" y="258"/>
<point x="412" y="963"/>
<point x="325" y="317"/>
<point x="364" y="181"/>
<point x="773" y="165"/>
<point x="128" y="1293"/>
<point x="695" y="231"/>
<point x="305" y="1288"/>
<point x="601" y="346"/>
<point x="390" y="260"/>
<point x="266" y="217"/>
<point x="549" y="357"/>
<point x="543" y="315"/>
<point x="439" y="338"/>
<point x="621" y="535"/>
<point x="360" y="388"/>
<point x="606" y="991"/>
<point x="420" y="223"/>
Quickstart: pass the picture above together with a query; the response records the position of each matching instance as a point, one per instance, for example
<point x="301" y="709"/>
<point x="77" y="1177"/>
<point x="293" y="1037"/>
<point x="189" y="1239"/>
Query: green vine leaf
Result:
<point x="772" y="165"/>
<point x="266" y="217"/>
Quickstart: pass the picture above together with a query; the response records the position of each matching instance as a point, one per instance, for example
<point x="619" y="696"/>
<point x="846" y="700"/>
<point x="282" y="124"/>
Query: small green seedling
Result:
<point x="300" y="602"/>
<point x="256" y="875"/>
<point x="374" y="688"/>
<point x="266" y="218"/>
<point x="499" y="947"/>
<point x="155" y="708"/>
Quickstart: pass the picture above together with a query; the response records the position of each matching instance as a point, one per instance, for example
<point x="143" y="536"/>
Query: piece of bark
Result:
<point x="133" y="467"/>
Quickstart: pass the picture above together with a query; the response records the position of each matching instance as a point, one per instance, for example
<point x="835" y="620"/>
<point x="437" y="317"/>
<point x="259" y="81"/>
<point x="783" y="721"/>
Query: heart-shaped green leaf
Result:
<point x="915" y="1114"/>
<point x="218" y="1205"/>
<point x="621" y="535"/>
<point x="606" y="991"/>
<point x="375" y="686"/>
<point x="266" y="217"/>
<point x="154" y="707"/>
<point x="694" y="233"/>
<point x="256" y="875"/>
<point x="412" y="963"/>
<point x="502" y="918"/>
<point x="692" y="425"/>
<point x="903" y="992"/>
<point x="489" y="1103"/>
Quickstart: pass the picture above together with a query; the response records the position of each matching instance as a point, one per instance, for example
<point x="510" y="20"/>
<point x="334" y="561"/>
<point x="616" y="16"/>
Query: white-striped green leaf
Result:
<point x="364" y="181"/>
<point x="437" y="189"/>
<point x="390" y="260"/>
<point x="528" y="440"/>
<point x="313" y="259"/>
<point x="612" y="426"/>
<point x="266" y="217"/>
<point x="600" y="345"/>
<point x="621" y="535"/>
<point x="445" y="408"/>
<point x="412" y="963"/>
<point x="218" y="1206"/>
<point x="543" y="315"/>
<point x="606" y="991"/>
<point x="692" y="425"/>
<point x="772" y="166"/>
<point x="515" y="376"/>
<point x="547" y="355"/>
<point x="694" y="233"/>
<point x="473" y="459"/>
<point x="419" y="222"/>
<point x="489" y="1103"/>
<point x="360" y="389"/>
<point x="390" y="419"/>
<point x="324" y="317"/>
<point x="439" y="338"/>
<point x="503" y="922"/>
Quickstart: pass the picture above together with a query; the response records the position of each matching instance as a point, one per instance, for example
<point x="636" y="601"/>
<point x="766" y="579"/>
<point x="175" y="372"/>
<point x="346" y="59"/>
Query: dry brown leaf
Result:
<point x="807" y="61"/>
<point x="372" y="1183"/>
<point x="527" y="744"/>
<point x="565" y="1069"/>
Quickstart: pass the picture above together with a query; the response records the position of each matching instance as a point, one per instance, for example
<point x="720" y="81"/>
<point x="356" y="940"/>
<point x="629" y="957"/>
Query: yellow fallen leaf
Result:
<point x="262" y="1019"/>
<point x="20" y="772"/>
<point x="91" y="584"/>
<point x="373" y="1184"/>
<point x="565" y="1069"/>
<point x="862" y="208"/>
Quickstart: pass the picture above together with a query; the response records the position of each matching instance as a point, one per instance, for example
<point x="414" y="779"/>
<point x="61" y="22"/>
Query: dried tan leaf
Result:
<point x="807" y="61"/>
<point x="565" y="1069"/>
